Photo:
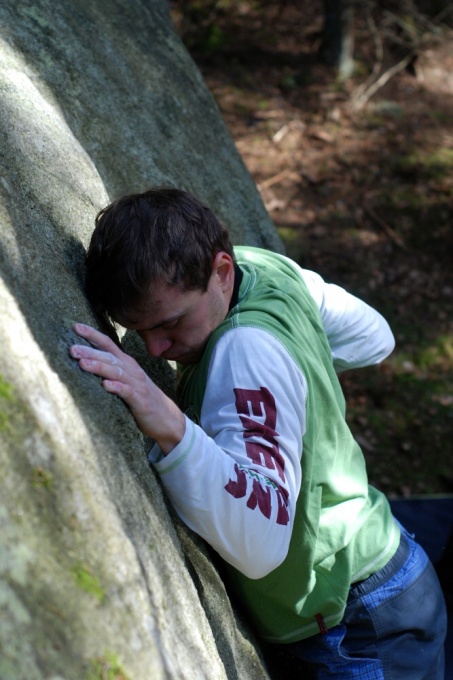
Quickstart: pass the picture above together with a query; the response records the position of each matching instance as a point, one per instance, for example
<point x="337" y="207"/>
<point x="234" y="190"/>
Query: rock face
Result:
<point x="98" y="579"/>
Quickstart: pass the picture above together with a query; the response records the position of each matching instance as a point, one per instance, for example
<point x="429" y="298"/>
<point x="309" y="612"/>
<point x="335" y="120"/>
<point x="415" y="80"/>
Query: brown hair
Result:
<point x="162" y="235"/>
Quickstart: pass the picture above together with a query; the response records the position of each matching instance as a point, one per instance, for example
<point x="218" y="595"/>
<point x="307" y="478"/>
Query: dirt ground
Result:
<point x="360" y="188"/>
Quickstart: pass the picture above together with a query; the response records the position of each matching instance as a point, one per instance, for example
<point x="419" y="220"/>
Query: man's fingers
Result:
<point x="86" y="352"/>
<point x="120" y="373"/>
<point x="120" y="368"/>
<point x="121" y="389"/>
<point x="97" y="339"/>
<point x="109" y="370"/>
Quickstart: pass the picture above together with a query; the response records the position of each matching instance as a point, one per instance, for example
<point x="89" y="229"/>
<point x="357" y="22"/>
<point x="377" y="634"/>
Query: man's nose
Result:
<point x="156" y="346"/>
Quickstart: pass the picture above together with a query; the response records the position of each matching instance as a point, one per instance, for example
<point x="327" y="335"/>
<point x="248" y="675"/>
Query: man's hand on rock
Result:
<point x="156" y="415"/>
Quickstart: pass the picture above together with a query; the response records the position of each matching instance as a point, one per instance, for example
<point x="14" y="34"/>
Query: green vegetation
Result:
<point x="402" y="418"/>
<point x="424" y="164"/>
<point x="6" y="395"/>
<point x="435" y="358"/>
<point x="106" y="668"/>
<point x="41" y="478"/>
<point x="88" y="582"/>
<point x="5" y="389"/>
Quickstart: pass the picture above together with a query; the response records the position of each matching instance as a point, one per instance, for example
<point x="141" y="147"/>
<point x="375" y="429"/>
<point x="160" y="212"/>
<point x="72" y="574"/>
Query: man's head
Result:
<point x="156" y="250"/>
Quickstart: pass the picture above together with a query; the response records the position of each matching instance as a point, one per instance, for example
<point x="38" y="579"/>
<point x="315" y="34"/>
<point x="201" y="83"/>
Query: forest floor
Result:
<point x="361" y="191"/>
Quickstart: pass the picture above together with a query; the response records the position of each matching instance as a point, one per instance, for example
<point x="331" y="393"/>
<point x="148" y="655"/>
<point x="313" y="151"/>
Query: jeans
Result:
<point x="393" y="628"/>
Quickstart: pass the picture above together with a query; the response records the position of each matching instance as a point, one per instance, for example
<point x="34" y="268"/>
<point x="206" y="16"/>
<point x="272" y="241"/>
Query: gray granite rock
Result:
<point x="98" y="579"/>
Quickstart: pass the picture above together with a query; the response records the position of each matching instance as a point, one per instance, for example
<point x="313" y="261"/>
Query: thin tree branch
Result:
<point x="377" y="65"/>
<point x="357" y="102"/>
<point x="391" y="233"/>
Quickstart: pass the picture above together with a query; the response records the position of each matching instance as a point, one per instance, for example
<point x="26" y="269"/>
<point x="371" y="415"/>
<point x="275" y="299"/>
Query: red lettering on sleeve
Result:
<point x="282" y="514"/>
<point x="238" y="487"/>
<point x="260" y="497"/>
<point x="257" y="399"/>
<point x="258" y="414"/>
<point x="260" y="403"/>
<point x="269" y="456"/>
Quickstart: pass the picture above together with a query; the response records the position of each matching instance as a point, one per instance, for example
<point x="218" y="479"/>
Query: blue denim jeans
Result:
<point x="393" y="629"/>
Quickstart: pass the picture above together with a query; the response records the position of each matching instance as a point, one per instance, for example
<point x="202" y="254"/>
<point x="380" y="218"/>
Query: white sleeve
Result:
<point x="235" y="480"/>
<point x="358" y="335"/>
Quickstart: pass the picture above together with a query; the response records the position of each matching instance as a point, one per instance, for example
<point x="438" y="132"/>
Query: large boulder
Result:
<point x="98" y="579"/>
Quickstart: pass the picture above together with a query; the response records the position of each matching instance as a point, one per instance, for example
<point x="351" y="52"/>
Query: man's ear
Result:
<point x="223" y="269"/>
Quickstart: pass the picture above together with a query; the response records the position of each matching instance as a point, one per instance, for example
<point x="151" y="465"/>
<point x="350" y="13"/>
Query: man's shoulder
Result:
<point x="267" y="264"/>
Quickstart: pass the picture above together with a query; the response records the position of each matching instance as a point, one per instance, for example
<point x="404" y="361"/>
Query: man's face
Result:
<point x="176" y="323"/>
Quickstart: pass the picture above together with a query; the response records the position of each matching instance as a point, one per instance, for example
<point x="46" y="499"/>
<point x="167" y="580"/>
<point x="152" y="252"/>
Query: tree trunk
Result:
<point x="338" y="42"/>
